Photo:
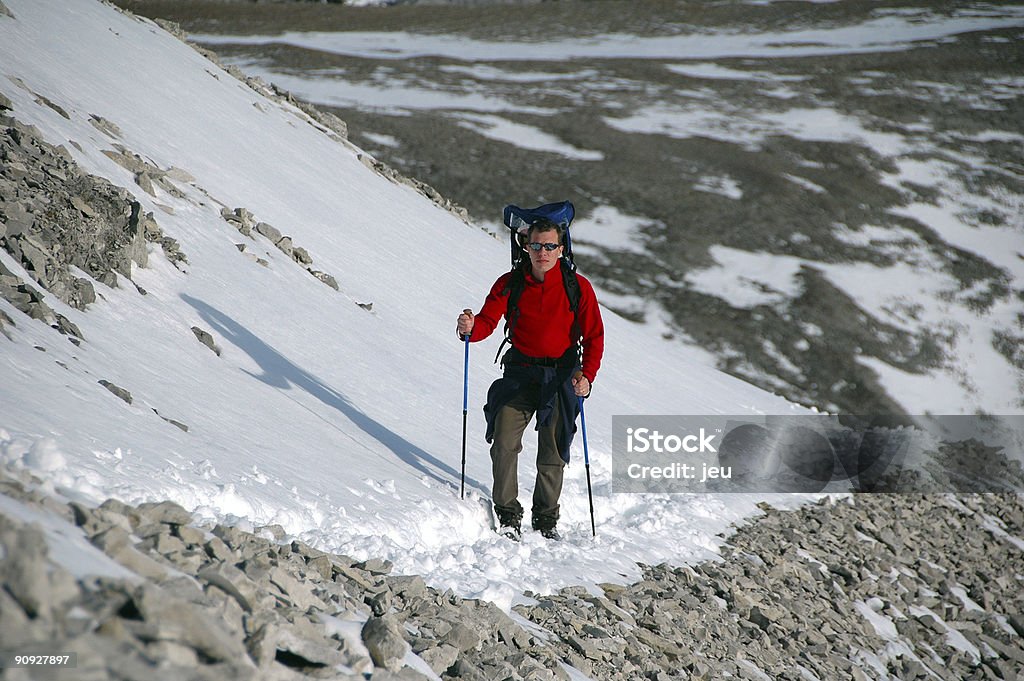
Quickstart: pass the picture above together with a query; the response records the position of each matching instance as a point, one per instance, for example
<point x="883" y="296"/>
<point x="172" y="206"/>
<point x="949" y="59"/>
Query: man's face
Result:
<point x="544" y="259"/>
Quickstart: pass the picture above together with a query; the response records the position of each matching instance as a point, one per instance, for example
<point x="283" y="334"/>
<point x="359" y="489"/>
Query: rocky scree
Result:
<point x="215" y="602"/>
<point x="872" y="586"/>
<point x="55" y="219"/>
<point x="864" y="587"/>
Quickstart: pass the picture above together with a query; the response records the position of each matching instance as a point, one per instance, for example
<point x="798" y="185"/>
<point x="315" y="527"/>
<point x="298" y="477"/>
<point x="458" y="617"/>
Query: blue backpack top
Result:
<point x="519" y="220"/>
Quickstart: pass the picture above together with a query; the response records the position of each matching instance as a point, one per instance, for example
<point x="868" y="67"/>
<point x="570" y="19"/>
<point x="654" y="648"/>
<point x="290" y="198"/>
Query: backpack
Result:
<point x="518" y="220"/>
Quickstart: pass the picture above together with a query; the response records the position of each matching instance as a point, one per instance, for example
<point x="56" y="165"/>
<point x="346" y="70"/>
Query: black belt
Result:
<point x="541" y="361"/>
<point x="514" y="356"/>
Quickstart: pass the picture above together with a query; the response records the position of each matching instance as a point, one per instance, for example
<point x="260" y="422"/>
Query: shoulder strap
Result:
<point x="572" y="285"/>
<point x="514" y="289"/>
<point x="573" y="293"/>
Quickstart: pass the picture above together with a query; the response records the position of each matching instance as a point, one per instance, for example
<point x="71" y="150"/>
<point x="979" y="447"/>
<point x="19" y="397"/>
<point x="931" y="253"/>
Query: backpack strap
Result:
<point x="573" y="293"/>
<point x="514" y="288"/>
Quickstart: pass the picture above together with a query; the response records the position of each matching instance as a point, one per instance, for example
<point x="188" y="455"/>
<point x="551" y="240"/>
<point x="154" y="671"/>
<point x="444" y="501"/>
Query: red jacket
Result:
<point x="545" y="320"/>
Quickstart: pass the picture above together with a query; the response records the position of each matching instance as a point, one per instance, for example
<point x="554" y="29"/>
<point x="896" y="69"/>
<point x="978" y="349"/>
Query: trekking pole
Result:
<point x="586" y="459"/>
<point x="465" y="410"/>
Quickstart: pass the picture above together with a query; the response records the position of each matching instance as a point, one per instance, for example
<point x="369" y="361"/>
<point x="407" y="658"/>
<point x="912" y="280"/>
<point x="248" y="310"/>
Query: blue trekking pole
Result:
<point x="586" y="459"/>
<point x="465" y="410"/>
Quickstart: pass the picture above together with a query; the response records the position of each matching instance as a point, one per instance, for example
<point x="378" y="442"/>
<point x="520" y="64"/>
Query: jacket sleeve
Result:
<point x="592" y="326"/>
<point x="489" y="316"/>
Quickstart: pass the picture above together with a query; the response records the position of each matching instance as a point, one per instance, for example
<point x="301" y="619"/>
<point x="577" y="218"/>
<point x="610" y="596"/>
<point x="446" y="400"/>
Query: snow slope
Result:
<point x="339" y="423"/>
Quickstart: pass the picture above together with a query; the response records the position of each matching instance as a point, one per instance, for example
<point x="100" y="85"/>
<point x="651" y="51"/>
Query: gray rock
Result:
<point x="440" y="657"/>
<point x="191" y="536"/>
<point x="67" y="327"/>
<point x="381" y="603"/>
<point x="82" y="294"/>
<point x="408" y="586"/>
<point x="14" y="620"/>
<point x="232" y="536"/>
<point x="179" y="175"/>
<point x="376" y="566"/>
<point x="96" y="520"/>
<point x="121" y="508"/>
<point x="162" y="543"/>
<point x="403" y="674"/>
<point x="323" y="566"/>
<point x="145" y="182"/>
<point x="5" y="320"/>
<point x="177" y="424"/>
<point x="235" y="583"/>
<point x="165" y="512"/>
<point x="298" y="593"/>
<point x="106" y="127"/>
<point x="355" y="575"/>
<point x="171" y="619"/>
<point x="40" y="587"/>
<point x="217" y="549"/>
<point x="117" y="544"/>
<point x="462" y="637"/>
<point x="269" y="231"/>
<point x="285" y="245"/>
<point x="325" y="278"/>
<point x="672" y="623"/>
<point x="262" y="645"/>
<point x="317" y="651"/>
<point x="117" y="390"/>
<point x="383" y="639"/>
<point x="206" y="339"/>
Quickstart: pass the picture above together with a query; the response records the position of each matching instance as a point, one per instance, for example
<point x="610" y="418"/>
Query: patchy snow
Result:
<point x="723" y="185"/>
<point x="745" y="279"/>
<point x="952" y="637"/>
<point x="880" y="34"/>
<point x="717" y="71"/>
<point x="883" y="625"/>
<point x="613" y="230"/>
<point x="523" y="136"/>
<point x="381" y="139"/>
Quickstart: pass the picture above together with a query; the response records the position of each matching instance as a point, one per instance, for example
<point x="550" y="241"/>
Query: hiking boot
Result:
<point x="513" y="532"/>
<point x="509" y="522"/>
<point x="545" y="523"/>
<point x="551" y="533"/>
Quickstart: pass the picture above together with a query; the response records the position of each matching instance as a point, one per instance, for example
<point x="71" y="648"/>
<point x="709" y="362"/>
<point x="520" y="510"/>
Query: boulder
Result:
<point x="383" y="639"/>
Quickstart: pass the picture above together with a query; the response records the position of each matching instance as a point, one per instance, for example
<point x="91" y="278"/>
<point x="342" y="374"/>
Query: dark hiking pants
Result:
<point x="509" y="427"/>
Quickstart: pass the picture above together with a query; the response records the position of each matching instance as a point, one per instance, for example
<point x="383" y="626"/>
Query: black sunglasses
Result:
<point x="536" y="246"/>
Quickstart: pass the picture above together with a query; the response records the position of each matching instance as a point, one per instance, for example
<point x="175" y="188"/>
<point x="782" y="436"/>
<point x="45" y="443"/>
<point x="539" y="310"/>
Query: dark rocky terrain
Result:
<point x="942" y="99"/>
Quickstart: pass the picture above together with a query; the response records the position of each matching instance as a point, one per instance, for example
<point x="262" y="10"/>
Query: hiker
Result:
<point x="544" y="373"/>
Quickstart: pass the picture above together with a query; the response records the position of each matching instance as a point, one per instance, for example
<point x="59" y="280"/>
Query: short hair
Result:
<point x="545" y="225"/>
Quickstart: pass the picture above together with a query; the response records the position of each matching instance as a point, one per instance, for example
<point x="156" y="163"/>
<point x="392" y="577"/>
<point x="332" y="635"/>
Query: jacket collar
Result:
<point x="554" y="275"/>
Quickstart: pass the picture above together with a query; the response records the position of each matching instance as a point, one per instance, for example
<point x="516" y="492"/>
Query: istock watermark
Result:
<point x="817" y="453"/>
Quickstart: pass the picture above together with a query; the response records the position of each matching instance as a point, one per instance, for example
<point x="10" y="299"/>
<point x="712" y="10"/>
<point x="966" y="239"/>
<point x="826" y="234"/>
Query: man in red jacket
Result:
<point x="544" y="374"/>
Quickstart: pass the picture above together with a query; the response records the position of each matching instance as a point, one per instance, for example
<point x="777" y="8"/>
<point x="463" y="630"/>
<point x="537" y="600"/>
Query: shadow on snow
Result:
<point x="281" y="373"/>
